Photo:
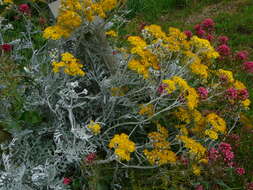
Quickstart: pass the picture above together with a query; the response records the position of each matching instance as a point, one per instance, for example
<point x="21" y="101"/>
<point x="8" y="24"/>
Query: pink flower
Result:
<point x="188" y="33"/>
<point x="234" y="137"/>
<point x="213" y="154"/>
<point x="90" y="157"/>
<point x="223" y="147"/>
<point x="24" y="8"/>
<point x="200" y="32"/>
<point x="223" y="50"/>
<point x="223" y="39"/>
<point x="231" y="164"/>
<point x="248" y="66"/>
<point x="199" y="187"/>
<point x="208" y="23"/>
<point x="161" y="88"/>
<point x="249" y="186"/>
<point x="66" y="181"/>
<point x="243" y="94"/>
<point x="242" y="55"/>
<point x="231" y="94"/>
<point x="6" y="47"/>
<point x="197" y="27"/>
<point x="228" y="156"/>
<point x="210" y="37"/>
<point x="203" y="92"/>
<point x="240" y="171"/>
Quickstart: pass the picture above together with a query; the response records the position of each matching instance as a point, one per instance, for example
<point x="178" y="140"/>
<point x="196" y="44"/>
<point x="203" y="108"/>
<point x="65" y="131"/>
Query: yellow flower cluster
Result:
<point x="191" y="95"/>
<point x="203" y="48"/>
<point x="194" y="116"/>
<point x="145" y="59"/>
<point x="195" y="147"/>
<point x="218" y="124"/>
<point x="246" y="103"/>
<point x="70" y="65"/>
<point x="94" y="127"/>
<point x="8" y="1"/>
<point x="111" y="33"/>
<point x="197" y="53"/>
<point x="238" y="85"/>
<point x="211" y="134"/>
<point x="73" y="13"/>
<point x="161" y="153"/>
<point x="196" y="170"/>
<point x="122" y="145"/>
<point x="227" y="74"/>
<point x="147" y="110"/>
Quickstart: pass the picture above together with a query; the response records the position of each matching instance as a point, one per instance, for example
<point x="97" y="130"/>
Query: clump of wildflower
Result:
<point x="122" y="145"/>
<point x="90" y="157"/>
<point x="161" y="153"/>
<point x="111" y="33"/>
<point x="194" y="147"/>
<point x="24" y="8"/>
<point x="218" y="124"/>
<point x="226" y="150"/>
<point x="71" y="16"/>
<point x="6" y="47"/>
<point x="213" y="154"/>
<point x="191" y="96"/>
<point x="240" y="171"/>
<point x="227" y="75"/>
<point x="211" y="134"/>
<point x="248" y="66"/>
<point x="66" y="181"/>
<point x="70" y="65"/>
<point x="224" y="50"/>
<point x="196" y="170"/>
<point x="231" y="94"/>
<point x="249" y="186"/>
<point x="203" y="92"/>
<point x="147" y="110"/>
<point x="242" y="55"/>
<point x="208" y="24"/>
<point x="188" y="33"/>
<point x="8" y="1"/>
<point x="201" y="33"/>
<point x="223" y="39"/>
<point x="199" y="187"/>
<point x="94" y="127"/>
<point x="210" y="37"/>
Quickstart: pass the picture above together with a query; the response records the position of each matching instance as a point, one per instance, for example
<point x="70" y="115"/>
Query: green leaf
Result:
<point x="32" y="117"/>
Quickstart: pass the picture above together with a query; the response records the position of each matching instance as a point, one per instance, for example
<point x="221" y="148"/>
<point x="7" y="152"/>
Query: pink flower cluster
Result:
<point x="24" y="8"/>
<point x="249" y="186"/>
<point x="199" y="187"/>
<point x="66" y="181"/>
<point x="224" y="50"/>
<point x="90" y="158"/>
<point x="242" y="55"/>
<point x="225" y="153"/>
<point x="6" y="47"/>
<point x="204" y="29"/>
<point x="203" y="92"/>
<point x="248" y="66"/>
<point x="233" y="94"/>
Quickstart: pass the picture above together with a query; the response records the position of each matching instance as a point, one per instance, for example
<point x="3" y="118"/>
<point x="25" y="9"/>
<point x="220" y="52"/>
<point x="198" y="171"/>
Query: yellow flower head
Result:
<point x="122" y="145"/>
<point x="94" y="127"/>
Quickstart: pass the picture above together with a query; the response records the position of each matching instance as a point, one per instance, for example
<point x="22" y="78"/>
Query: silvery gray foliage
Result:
<point x="39" y="157"/>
